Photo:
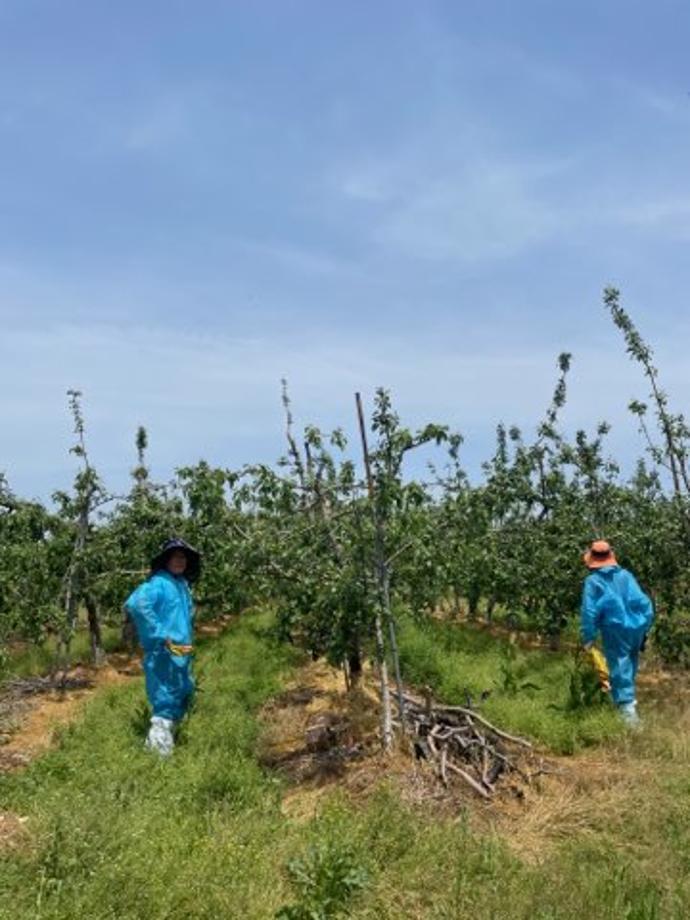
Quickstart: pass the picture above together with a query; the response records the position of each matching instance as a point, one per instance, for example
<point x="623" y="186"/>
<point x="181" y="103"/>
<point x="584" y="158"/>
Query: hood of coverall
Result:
<point x="607" y="569"/>
<point x="160" y="561"/>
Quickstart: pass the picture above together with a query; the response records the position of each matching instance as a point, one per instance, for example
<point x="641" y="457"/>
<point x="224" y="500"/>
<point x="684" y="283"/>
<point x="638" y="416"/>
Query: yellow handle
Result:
<point x="599" y="664"/>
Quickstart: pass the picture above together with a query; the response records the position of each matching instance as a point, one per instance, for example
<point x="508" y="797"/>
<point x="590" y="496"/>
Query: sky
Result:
<point x="200" y="198"/>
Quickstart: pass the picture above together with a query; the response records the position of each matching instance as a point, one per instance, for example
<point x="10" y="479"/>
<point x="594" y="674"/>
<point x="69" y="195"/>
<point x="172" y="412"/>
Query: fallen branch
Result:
<point x="469" y="780"/>
<point x="461" y="742"/>
<point x="444" y="774"/>
<point x="514" y="739"/>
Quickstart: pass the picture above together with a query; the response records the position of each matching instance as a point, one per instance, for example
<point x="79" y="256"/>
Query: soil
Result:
<point x="32" y="709"/>
<point x="13" y="832"/>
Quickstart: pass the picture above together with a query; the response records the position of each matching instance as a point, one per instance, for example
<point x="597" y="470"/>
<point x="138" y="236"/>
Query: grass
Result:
<point x="529" y="690"/>
<point x="117" y="834"/>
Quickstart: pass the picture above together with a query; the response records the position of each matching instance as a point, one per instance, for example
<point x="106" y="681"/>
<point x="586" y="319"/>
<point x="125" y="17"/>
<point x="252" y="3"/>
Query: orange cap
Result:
<point x="599" y="554"/>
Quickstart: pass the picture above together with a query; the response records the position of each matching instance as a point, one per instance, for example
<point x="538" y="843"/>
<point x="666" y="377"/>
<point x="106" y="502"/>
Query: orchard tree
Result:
<point x="29" y="575"/>
<point x="76" y="511"/>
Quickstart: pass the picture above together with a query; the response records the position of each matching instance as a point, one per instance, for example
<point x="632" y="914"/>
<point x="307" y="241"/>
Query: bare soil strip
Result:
<point x="32" y="708"/>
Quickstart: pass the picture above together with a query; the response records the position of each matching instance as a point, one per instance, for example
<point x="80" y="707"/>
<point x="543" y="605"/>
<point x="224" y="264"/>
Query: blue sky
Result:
<point x="197" y="199"/>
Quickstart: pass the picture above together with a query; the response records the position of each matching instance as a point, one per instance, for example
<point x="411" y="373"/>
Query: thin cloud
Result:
<point x="670" y="215"/>
<point x="305" y="260"/>
<point x="478" y="209"/>
<point x="476" y="215"/>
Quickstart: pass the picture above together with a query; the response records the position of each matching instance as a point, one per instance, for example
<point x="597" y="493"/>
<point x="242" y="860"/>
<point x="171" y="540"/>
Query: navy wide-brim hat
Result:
<point x="160" y="561"/>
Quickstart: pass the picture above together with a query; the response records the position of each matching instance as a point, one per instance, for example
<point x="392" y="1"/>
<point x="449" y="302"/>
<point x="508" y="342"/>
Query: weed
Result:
<point x="513" y="672"/>
<point x="584" y="689"/>
<point x="325" y="880"/>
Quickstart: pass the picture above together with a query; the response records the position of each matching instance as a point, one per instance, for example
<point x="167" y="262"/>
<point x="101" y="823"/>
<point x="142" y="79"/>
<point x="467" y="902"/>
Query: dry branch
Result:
<point x="459" y="741"/>
<point x="469" y="780"/>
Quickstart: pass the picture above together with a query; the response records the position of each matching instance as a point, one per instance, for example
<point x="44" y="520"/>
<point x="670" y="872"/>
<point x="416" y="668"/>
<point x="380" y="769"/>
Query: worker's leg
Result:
<point x="621" y="648"/>
<point x="169" y="687"/>
<point x="621" y="667"/>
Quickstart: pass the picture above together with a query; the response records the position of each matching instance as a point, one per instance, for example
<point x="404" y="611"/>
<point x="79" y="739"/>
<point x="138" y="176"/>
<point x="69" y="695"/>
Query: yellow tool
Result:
<point x="598" y="662"/>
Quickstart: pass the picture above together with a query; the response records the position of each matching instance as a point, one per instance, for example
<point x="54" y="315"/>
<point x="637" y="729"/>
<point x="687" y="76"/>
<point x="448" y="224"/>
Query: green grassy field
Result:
<point x="113" y="833"/>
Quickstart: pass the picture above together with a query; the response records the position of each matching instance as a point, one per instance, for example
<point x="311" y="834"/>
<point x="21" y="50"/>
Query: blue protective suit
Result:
<point x="162" y="608"/>
<point x="614" y="604"/>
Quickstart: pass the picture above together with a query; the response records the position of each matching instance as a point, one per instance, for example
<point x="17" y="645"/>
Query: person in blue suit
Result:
<point x="163" y="613"/>
<point x="614" y="605"/>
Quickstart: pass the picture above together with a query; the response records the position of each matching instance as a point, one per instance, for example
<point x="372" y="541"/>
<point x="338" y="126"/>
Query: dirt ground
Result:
<point x="13" y="833"/>
<point x="32" y="711"/>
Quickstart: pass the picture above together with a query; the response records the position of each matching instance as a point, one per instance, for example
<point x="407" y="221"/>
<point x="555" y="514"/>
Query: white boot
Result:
<point x="160" y="736"/>
<point x="629" y="714"/>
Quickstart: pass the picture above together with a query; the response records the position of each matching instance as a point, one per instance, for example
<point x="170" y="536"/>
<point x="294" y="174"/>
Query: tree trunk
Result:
<point x="383" y="605"/>
<point x="388" y="613"/>
<point x="473" y="599"/>
<point x="354" y="667"/>
<point x="73" y="582"/>
<point x="128" y="635"/>
<point x="97" y="650"/>
<point x="386" y="715"/>
<point x="554" y="639"/>
<point x="457" y="604"/>
<point x="69" y="625"/>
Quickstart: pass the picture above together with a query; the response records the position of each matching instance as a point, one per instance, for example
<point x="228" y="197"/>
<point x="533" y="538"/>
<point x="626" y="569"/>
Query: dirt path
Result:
<point x="33" y="708"/>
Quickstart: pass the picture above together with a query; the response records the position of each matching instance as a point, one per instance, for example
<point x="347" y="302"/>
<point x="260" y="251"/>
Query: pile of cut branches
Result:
<point x="462" y="743"/>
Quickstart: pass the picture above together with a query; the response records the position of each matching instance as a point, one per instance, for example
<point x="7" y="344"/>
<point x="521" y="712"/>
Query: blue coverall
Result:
<point x="162" y="608"/>
<point x="614" y="604"/>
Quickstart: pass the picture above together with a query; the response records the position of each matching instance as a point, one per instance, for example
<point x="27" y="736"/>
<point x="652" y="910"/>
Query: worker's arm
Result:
<point x="144" y="607"/>
<point x="639" y="602"/>
<point x="589" y="620"/>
